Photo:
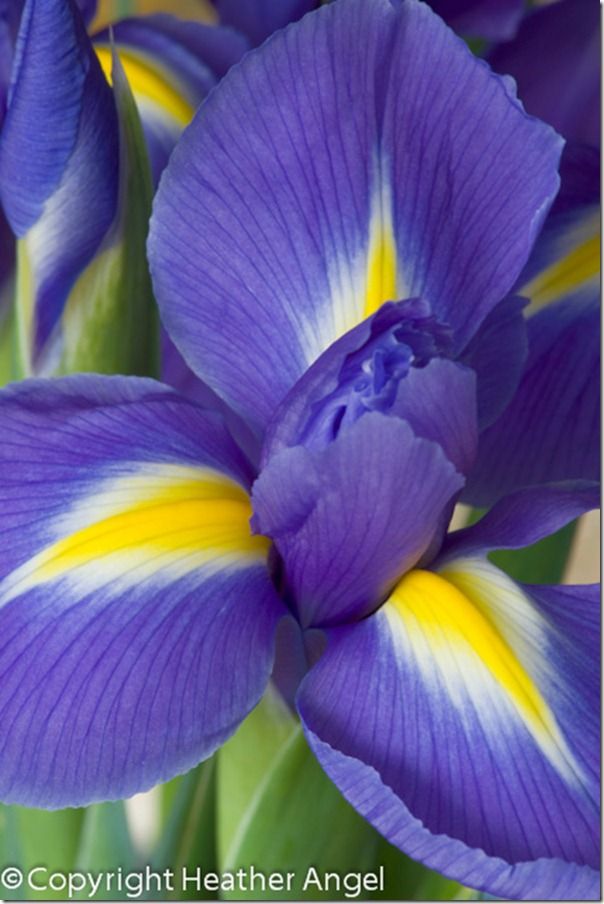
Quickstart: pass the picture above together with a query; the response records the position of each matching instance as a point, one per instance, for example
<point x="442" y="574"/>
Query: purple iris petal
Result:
<point x="88" y="9"/>
<point x="555" y="60"/>
<point x="348" y="519"/>
<point x="189" y="49"/>
<point x="176" y="373"/>
<point x="497" y="353"/>
<point x="260" y="18"/>
<point x="137" y="617"/>
<point x="437" y="749"/>
<point x="524" y="517"/>
<point x="395" y="362"/>
<point x="366" y="373"/>
<point x="551" y="429"/>
<point x="189" y="56"/>
<point x="264" y="251"/>
<point x="10" y="14"/>
<point x="495" y="20"/>
<point x="580" y="180"/>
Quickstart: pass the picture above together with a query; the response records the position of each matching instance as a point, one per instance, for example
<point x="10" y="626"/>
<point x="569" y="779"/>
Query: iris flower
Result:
<point x="555" y="59"/>
<point x="333" y="246"/>
<point x="551" y="429"/>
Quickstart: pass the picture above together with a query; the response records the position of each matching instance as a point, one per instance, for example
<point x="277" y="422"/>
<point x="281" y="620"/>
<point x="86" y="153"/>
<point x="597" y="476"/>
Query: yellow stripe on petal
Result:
<point x="572" y="272"/>
<point x="360" y="283"/>
<point x="149" y="82"/>
<point x="457" y="626"/>
<point x="168" y="519"/>
<point x="382" y="257"/>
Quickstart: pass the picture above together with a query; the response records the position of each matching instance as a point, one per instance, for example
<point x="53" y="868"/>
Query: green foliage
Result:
<point x="188" y="837"/>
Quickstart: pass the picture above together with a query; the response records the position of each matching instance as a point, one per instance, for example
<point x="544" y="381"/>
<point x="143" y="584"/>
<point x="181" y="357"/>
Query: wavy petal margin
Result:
<point x="361" y="155"/>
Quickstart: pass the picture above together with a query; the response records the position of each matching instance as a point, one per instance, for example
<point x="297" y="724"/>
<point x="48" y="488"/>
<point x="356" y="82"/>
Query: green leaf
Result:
<point x="297" y="822"/>
<point x="407" y="880"/>
<point x="7" y="340"/>
<point x="109" y="323"/>
<point x="11" y="853"/>
<point x="41" y="838"/>
<point x="188" y="837"/>
<point x="104" y="845"/>
<point x="245" y="760"/>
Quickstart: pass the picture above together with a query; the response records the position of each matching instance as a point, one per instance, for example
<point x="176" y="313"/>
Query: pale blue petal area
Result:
<point x="350" y="518"/>
<point x="137" y="614"/>
<point x="309" y="190"/>
<point x="258" y="19"/>
<point x="58" y="155"/>
<point x="494" y="20"/>
<point x="414" y="715"/>
<point x="524" y="517"/>
<point x="555" y="60"/>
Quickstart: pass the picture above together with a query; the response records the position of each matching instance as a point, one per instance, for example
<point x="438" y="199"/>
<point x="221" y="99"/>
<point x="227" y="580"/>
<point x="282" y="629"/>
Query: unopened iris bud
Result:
<point x="77" y="196"/>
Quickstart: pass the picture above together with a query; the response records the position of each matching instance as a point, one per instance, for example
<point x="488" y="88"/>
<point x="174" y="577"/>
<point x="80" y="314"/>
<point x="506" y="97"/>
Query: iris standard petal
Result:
<point x="495" y="20"/>
<point x="137" y="615"/>
<point x="58" y="155"/>
<point x="524" y="517"/>
<point x="555" y="60"/>
<point x="171" y="66"/>
<point x="461" y="721"/>
<point x="260" y="18"/>
<point x="439" y="403"/>
<point x="348" y="519"/>
<point x="333" y="170"/>
<point x="388" y="363"/>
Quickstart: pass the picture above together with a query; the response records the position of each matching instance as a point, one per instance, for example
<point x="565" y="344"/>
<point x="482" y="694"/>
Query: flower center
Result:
<point x="370" y="376"/>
